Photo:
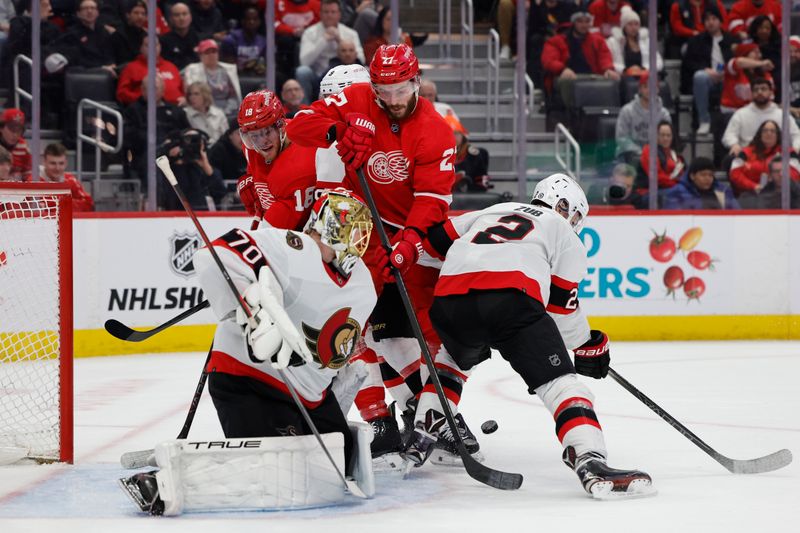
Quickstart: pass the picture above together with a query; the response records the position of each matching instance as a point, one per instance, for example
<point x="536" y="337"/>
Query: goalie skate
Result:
<point x="605" y="483"/>
<point x="143" y="490"/>
<point x="445" y="452"/>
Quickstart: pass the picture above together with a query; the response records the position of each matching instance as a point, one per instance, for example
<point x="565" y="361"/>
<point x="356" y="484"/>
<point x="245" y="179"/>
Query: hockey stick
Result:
<point x="768" y="463"/>
<point x="163" y="164"/>
<point x="476" y="470"/>
<point x="125" y="333"/>
<point x="143" y="458"/>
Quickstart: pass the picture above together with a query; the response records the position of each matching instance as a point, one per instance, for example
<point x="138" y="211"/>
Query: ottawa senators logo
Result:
<point x="334" y="343"/>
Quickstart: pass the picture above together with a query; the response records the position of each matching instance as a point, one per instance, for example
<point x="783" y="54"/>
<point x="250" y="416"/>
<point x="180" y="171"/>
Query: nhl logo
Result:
<point x="555" y="360"/>
<point x="183" y="246"/>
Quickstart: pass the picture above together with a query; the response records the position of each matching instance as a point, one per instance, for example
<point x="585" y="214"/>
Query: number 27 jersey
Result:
<point x="516" y="246"/>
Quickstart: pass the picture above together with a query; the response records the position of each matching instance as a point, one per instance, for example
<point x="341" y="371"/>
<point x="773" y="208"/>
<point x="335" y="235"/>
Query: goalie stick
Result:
<point x="477" y="471"/>
<point x="767" y="463"/>
<point x="163" y="164"/>
<point x="124" y="333"/>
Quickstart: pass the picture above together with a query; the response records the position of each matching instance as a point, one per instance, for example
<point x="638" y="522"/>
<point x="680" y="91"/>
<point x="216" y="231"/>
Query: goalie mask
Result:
<point x="563" y="194"/>
<point x="344" y="223"/>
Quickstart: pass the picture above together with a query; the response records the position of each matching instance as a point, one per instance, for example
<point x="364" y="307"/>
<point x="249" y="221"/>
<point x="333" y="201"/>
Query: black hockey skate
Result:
<point x="386" y="445"/>
<point x="605" y="483"/>
<point x="423" y="438"/>
<point x="445" y="451"/>
<point x="407" y="416"/>
<point x="143" y="490"/>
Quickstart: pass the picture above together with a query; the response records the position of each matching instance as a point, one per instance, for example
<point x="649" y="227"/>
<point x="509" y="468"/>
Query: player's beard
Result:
<point x="400" y="111"/>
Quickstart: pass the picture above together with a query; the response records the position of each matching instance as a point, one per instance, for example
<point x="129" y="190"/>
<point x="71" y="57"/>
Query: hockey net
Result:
<point x="36" y="320"/>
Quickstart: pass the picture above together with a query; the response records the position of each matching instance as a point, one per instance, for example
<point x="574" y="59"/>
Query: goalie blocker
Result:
<point x="272" y="473"/>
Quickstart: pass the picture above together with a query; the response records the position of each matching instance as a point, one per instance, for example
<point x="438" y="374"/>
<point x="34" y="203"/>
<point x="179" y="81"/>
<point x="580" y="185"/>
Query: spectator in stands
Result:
<point x="221" y="77"/>
<point x="743" y="12"/>
<point x="606" y="14"/>
<point x="7" y="12"/>
<point x="619" y="191"/>
<point x="126" y="40"/>
<point x="86" y="43"/>
<point x="292" y="96"/>
<point x="630" y="45"/>
<point x="180" y="43"/>
<point x="319" y="45"/>
<point x="750" y="169"/>
<point x="545" y="19"/>
<point x="346" y="54"/>
<point x="201" y="112"/>
<point x="201" y="182"/>
<point x="19" y="37"/>
<point x="112" y="13"/>
<point x="360" y="15"/>
<point x="382" y="34"/>
<point x="794" y="78"/>
<point x="687" y="18"/>
<point x="169" y="117"/>
<point x="207" y="20"/>
<point x="226" y="154"/>
<point x="245" y="46"/>
<point x="5" y="166"/>
<point x="291" y="20"/>
<point x="472" y="163"/>
<point x="55" y="171"/>
<point x="764" y="33"/>
<point x="506" y="9"/>
<point x="428" y="91"/>
<point x="745" y="122"/>
<point x="669" y="162"/>
<point x="747" y="65"/>
<point x="576" y="54"/>
<point x="769" y="197"/>
<point x="633" y="123"/>
<point x="699" y="189"/>
<point x="703" y="65"/>
<point x="12" y="126"/>
<point x="132" y="78"/>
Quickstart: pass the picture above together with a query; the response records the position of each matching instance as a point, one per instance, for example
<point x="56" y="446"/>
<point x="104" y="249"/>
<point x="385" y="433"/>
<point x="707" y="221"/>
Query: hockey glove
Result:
<point x="293" y="341"/>
<point x="265" y="340"/>
<point x="593" y="357"/>
<point x="355" y="140"/>
<point x="406" y="249"/>
<point x="381" y="265"/>
<point x="247" y="192"/>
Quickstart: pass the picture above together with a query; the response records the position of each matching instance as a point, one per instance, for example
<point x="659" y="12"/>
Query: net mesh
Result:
<point x="29" y="323"/>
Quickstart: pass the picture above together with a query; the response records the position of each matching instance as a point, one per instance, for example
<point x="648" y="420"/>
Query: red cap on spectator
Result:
<point x="644" y="77"/>
<point x="745" y="48"/>
<point x="794" y="41"/>
<point x="205" y="45"/>
<point x="13" y="115"/>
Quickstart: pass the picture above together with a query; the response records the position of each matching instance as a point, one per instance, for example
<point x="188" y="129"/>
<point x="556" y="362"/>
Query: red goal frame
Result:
<point x="63" y="198"/>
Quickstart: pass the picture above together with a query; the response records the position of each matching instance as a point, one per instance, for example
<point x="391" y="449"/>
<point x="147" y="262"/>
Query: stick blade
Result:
<point x="489" y="476"/>
<point x="768" y="463"/>
<point x="119" y="330"/>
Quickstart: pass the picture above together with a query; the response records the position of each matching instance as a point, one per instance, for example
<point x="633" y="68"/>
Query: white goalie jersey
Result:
<point x="329" y="310"/>
<point x="516" y="246"/>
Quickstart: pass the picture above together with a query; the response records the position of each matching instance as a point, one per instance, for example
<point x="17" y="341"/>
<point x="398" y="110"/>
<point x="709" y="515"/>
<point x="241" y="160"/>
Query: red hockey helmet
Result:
<point x="260" y="109"/>
<point x="393" y="63"/>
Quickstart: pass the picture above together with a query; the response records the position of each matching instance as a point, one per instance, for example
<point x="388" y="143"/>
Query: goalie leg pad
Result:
<point x="249" y="474"/>
<point x="361" y="458"/>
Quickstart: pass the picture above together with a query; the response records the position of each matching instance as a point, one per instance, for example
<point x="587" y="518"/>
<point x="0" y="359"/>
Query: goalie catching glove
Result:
<point x="593" y="356"/>
<point x="274" y="337"/>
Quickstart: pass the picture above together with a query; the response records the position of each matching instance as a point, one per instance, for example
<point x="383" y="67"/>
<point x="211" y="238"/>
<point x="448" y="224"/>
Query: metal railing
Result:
<point x="97" y="140"/>
<point x="493" y="82"/>
<point x="444" y="30"/>
<point x="572" y="148"/>
<point x="467" y="47"/>
<point x="529" y="103"/>
<point x="19" y="91"/>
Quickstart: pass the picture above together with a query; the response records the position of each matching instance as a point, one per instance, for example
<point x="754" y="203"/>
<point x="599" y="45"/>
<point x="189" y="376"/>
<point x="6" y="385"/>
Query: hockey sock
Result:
<point x="371" y="398"/>
<point x="570" y="403"/>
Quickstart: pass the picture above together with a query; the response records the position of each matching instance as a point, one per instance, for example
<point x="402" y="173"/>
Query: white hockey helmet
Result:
<point x="344" y="223"/>
<point x="340" y="77"/>
<point x="563" y="194"/>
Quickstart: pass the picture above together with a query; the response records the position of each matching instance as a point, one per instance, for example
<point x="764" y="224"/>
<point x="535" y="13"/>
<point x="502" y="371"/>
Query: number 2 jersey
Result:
<point x="516" y="246"/>
<point x="330" y="311"/>
<point x="410" y="165"/>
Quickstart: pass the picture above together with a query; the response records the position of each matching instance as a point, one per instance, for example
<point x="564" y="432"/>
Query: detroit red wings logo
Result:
<point x="264" y="195"/>
<point x="385" y="168"/>
<point x="334" y="343"/>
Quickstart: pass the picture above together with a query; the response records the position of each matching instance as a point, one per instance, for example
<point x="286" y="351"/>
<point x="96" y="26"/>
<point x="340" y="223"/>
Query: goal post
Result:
<point x="36" y="318"/>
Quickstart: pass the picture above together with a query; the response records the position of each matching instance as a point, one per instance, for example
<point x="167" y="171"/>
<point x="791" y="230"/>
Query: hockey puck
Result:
<point x="490" y="426"/>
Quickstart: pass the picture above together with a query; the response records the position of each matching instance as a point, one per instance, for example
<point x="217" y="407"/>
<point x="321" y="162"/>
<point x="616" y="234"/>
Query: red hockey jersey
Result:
<point x="284" y="187"/>
<point x="743" y="12"/>
<point x="410" y="167"/>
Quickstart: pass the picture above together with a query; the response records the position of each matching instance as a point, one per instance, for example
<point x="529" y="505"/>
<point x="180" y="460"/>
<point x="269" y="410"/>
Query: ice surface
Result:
<point x="739" y="397"/>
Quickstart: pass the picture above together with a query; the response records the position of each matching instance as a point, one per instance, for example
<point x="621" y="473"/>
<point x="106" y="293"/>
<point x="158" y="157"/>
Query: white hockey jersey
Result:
<point x="329" y="310"/>
<point x="516" y="246"/>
